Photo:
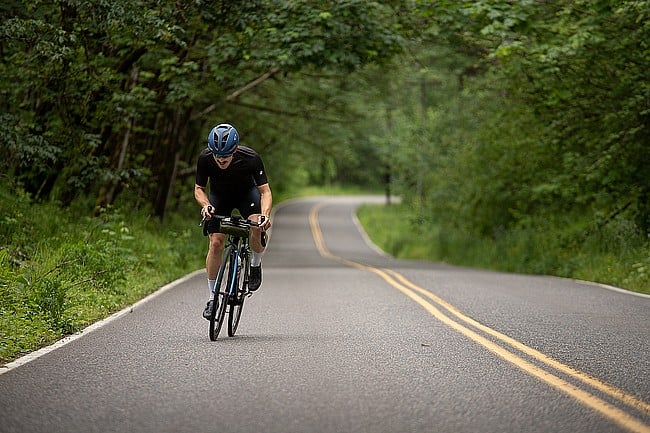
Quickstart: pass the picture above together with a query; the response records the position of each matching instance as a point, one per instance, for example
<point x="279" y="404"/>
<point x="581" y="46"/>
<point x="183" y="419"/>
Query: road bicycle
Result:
<point x="232" y="285"/>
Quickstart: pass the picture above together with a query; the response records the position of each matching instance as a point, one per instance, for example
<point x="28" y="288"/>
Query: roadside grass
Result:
<point x="60" y="272"/>
<point x="614" y="255"/>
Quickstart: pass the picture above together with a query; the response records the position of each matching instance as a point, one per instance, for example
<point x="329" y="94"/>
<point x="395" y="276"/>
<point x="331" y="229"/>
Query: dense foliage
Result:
<point x="102" y="96"/>
<point x="500" y="110"/>
<point x="546" y="110"/>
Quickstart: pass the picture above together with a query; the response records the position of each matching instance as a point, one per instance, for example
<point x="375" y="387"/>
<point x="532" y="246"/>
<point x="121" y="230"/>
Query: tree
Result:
<point x="117" y="93"/>
<point x="553" y="107"/>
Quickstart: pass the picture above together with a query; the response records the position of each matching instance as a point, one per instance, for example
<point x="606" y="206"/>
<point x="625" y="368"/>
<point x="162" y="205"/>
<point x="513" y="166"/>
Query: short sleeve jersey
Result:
<point x="244" y="172"/>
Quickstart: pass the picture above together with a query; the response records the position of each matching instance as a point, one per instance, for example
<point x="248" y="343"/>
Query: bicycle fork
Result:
<point x="242" y="274"/>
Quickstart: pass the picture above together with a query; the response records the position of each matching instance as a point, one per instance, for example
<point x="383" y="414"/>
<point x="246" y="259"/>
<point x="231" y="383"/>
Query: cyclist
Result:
<point x="237" y="181"/>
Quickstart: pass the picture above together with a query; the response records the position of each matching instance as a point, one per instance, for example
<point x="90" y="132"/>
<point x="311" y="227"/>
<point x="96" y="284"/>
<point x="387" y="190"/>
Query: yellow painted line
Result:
<point x="585" y="378"/>
<point x="409" y="289"/>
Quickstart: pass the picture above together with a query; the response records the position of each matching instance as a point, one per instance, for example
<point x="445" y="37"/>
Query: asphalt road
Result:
<point x="343" y="339"/>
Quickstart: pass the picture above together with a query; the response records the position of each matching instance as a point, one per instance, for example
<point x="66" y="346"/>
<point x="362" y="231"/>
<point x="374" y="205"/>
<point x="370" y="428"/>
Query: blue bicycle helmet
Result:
<point x="223" y="140"/>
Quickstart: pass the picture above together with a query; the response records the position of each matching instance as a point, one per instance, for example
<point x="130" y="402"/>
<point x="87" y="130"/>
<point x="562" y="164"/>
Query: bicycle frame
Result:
<point x="236" y="256"/>
<point x="238" y="231"/>
<point x="239" y="251"/>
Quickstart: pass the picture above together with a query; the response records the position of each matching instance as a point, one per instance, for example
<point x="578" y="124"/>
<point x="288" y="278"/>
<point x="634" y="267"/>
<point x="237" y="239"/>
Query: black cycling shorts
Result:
<point x="247" y="204"/>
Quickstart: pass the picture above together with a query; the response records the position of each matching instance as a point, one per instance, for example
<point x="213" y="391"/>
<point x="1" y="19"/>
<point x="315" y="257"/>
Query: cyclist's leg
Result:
<point x="222" y="206"/>
<point x="215" y="251"/>
<point x="212" y="263"/>
<point x="250" y="208"/>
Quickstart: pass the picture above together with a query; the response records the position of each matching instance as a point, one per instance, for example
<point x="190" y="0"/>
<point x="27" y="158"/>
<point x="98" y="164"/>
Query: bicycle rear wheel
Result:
<point x="221" y="288"/>
<point x="237" y="301"/>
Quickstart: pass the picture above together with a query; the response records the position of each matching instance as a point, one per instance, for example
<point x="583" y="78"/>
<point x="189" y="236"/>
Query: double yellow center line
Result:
<point x="472" y="329"/>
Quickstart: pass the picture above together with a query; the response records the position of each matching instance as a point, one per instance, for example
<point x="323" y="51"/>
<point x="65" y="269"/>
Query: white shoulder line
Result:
<point x="365" y="236"/>
<point x="37" y="354"/>
<point x="608" y="287"/>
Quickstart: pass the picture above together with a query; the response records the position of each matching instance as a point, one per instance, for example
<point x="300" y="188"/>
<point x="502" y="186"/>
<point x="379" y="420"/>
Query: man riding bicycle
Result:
<point x="237" y="181"/>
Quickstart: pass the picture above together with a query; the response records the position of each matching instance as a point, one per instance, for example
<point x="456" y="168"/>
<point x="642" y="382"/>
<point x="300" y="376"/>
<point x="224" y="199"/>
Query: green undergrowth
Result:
<point x="61" y="270"/>
<point x="614" y="254"/>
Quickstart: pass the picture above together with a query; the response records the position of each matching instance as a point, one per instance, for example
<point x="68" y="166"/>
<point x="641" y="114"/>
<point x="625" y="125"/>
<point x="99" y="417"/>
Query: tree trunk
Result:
<point x="109" y="191"/>
<point x="171" y="149"/>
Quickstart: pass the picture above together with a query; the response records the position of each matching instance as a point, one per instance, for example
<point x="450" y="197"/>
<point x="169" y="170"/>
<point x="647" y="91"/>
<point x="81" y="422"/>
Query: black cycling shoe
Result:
<point x="255" y="278"/>
<point x="208" y="309"/>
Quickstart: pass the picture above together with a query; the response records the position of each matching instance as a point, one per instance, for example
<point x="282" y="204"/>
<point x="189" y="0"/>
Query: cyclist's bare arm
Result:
<point x="266" y="203"/>
<point x="202" y="199"/>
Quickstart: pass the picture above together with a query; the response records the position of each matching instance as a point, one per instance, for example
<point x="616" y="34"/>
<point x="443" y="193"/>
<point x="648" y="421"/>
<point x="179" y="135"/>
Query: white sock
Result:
<point x="256" y="259"/>
<point x="211" y="284"/>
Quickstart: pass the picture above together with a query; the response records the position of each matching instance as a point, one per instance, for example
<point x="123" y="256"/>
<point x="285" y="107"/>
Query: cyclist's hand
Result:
<point x="265" y="222"/>
<point x="206" y="212"/>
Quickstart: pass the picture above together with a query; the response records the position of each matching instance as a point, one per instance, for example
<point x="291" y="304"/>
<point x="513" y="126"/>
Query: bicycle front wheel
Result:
<point x="237" y="304"/>
<point x="235" y="314"/>
<point x="222" y="287"/>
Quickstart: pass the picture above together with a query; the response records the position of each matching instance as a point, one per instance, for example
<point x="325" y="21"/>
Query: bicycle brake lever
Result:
<point x="263" y="234"/>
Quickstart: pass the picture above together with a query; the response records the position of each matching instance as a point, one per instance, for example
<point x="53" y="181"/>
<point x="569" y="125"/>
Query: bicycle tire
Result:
<point x="237" y="305"/>
<point x="234" y="316"/>
<point x="221" y="294"/>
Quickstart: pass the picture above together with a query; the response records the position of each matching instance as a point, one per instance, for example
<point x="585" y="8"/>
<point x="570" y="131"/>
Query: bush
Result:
<point x="564" y="245"/>
<point x="60" y="272"/>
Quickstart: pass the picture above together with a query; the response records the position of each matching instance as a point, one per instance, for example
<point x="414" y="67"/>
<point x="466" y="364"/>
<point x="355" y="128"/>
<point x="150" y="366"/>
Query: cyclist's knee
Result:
<point x="217" y="242"/>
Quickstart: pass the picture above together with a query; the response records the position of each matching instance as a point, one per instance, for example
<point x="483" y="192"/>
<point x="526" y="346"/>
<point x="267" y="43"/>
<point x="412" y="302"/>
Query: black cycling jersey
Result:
<point x="234" y="187"/>
<point x="244" y="172"/>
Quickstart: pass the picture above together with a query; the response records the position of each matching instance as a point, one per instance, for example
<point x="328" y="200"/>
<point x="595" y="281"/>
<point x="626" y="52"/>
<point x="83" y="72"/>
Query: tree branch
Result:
<point x="304" y="115"/>
<point x="234" y="95"/>
<point x="187" y="171"/>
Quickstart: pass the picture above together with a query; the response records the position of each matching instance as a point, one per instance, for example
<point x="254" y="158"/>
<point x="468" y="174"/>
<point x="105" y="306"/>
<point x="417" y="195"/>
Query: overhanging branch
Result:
<point x="304" y="115"/>
<point x="234" y="95"/>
